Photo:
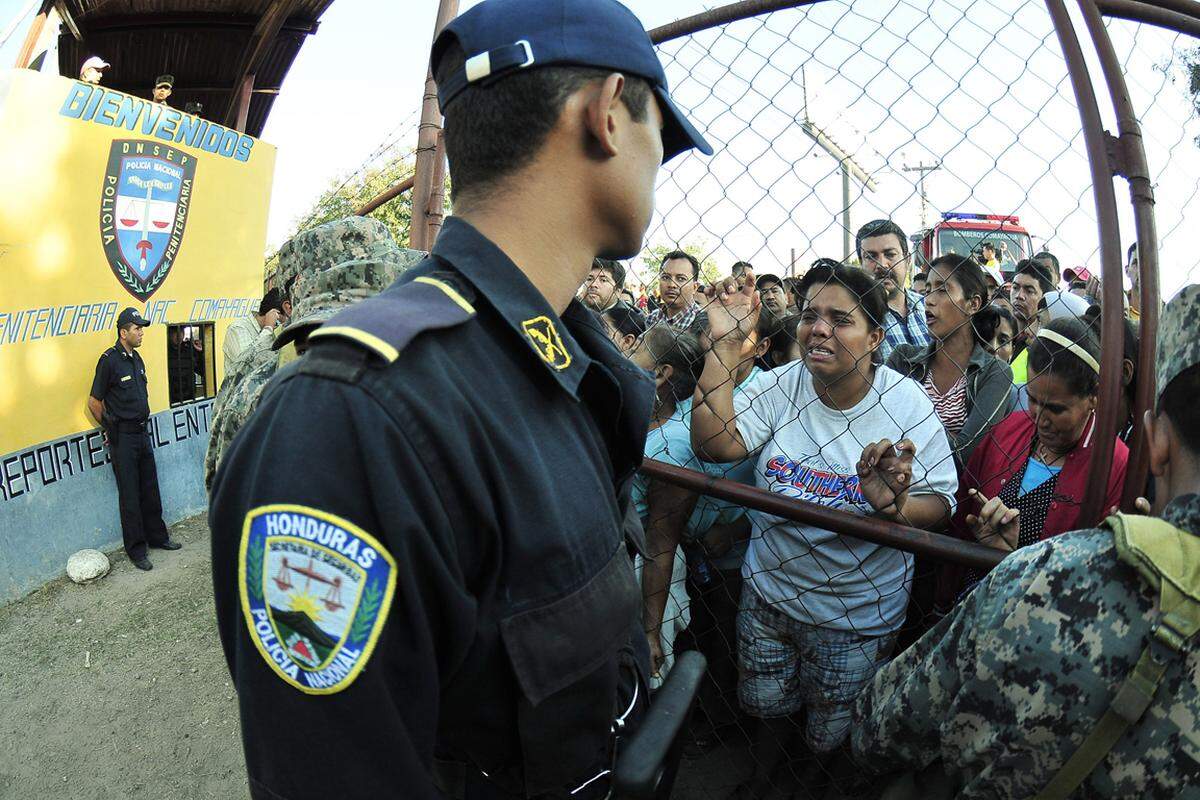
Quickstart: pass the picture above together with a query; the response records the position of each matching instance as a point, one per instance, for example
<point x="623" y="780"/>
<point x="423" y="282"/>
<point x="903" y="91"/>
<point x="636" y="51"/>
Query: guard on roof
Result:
<point x="420" y="548"/>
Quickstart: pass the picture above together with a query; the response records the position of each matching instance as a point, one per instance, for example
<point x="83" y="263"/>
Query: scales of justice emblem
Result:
<point x="144" y="208"/>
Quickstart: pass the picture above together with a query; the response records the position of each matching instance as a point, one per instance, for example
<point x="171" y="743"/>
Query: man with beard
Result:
<point x="602" y="289"/>
<point x="883" y="252"/>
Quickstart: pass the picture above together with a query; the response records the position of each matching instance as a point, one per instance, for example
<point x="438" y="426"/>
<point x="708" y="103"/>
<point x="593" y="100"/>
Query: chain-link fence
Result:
<point x="909" y="187"/>
<point x="886" y="345"/>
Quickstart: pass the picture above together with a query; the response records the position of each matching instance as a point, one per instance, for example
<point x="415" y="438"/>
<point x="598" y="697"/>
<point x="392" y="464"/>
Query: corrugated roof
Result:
<point x="205" y="44"/>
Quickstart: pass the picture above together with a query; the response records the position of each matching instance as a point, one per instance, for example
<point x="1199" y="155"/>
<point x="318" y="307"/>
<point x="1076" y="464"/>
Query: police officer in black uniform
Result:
<point x="120" y="403"/>
<point x="419" y="548"/>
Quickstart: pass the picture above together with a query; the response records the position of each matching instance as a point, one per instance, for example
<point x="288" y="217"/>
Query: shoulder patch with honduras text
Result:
<point x="315" y="592"/>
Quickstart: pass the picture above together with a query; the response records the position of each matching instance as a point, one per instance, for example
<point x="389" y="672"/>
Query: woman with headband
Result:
<point x="1026" y="480"/>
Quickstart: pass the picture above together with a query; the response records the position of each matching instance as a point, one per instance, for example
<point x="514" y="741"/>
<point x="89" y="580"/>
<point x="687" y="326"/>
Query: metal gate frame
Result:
<point x="1109" y="156"/>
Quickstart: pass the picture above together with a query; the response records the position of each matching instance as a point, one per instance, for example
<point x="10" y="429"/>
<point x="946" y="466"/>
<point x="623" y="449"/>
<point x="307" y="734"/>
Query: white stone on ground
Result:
<point x="87" y="566"/>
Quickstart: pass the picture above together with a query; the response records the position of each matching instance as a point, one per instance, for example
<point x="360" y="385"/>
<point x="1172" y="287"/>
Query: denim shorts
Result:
<point x="785" y="665"/>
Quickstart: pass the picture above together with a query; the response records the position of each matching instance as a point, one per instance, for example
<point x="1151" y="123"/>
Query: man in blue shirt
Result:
<point x="883" y="252"/>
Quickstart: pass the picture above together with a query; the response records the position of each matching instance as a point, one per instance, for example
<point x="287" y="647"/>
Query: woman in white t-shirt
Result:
<point x="820" y="610"/>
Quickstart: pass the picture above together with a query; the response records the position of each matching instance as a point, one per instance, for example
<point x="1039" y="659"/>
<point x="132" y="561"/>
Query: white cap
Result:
<point x="95" y="62"/>
<point x="1065" y="304"/>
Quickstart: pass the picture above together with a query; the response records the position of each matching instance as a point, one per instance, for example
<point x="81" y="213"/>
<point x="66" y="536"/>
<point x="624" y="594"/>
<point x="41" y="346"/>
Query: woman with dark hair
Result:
<point x="674" y="359"/>
<point x="996" y="326"/>
<point x="624" y="325"/>
<point x="819" y="611"/>
<point x="1026" y="480"/>
<point x="780" y="334"/>
<point x="970" y="388"/>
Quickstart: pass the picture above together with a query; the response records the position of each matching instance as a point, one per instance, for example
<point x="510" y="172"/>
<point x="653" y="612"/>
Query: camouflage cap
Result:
<point x="1178" y="336"/>
<point x="318" y="295"/>
<point x="332" y="243"/>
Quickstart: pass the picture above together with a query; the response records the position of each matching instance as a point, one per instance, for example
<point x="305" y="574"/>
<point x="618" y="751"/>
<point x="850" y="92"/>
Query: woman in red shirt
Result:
<point x="1026" y="480"/>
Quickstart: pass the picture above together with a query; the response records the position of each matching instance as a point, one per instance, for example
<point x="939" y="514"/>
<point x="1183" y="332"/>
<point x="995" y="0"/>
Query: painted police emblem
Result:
<point x="545" y="340"/>
<point x="315" y="592"/>
<point x="143" y="211"/>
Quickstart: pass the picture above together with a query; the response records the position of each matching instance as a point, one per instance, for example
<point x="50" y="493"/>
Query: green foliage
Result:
<point x="653" y="255"/>
<point x="1189" y="61"/>
<point x="347" y="193"/>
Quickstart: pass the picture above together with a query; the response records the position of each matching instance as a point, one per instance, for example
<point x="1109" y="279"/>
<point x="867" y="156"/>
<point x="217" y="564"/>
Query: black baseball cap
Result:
<point x="500" y="37"/>
<point x="130" y="316"/>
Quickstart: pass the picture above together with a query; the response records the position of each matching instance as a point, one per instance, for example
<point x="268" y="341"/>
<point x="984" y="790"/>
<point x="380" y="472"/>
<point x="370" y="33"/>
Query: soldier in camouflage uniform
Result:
<point x="995" y="699"/>
<point x="336" y="264"/>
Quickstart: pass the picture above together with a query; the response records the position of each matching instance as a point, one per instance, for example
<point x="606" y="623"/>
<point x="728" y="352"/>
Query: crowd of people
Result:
<point x="953" y="398"/>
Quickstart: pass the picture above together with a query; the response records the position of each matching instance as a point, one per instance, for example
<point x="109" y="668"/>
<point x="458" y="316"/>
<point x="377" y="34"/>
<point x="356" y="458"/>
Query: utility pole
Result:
<point x="431" y="154"/>
<point x="849" y="169"/>
<point x="921" y="168"/>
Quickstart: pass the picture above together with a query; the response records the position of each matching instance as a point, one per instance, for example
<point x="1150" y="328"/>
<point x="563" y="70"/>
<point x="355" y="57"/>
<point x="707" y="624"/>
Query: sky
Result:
<point x="979" y="87"/>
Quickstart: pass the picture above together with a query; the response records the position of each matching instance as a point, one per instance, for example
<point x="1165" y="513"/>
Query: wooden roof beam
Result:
<point x="196" y="21"/>
<point x="68" y="19"/>
<point x="256" y="51"/>
<point x="186" y="89"/>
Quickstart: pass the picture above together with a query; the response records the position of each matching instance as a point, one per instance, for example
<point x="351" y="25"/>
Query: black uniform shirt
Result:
<point x="120" y="383"/>
<point x="477" y="444"/>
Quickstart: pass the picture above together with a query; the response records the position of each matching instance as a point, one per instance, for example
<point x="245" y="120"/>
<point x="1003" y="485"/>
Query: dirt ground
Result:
<point x="119" y="689"/>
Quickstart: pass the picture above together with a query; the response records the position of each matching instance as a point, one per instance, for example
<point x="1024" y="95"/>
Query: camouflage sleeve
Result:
<point x="901" y="719"/>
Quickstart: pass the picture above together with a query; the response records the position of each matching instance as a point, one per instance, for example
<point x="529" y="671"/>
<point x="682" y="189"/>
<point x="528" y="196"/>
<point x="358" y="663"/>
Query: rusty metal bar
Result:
<point x="429" y="150"/>
<point x="244" y="96"/>
<point x="436" y="211"/>
<point x="386" y="196"/>
<point x="262" y="39"/>
<point x="869" y="529"/>
<point x="68" y="19"/>
<point x="1173" y="14"/>
<point x="1111" y="334"/>
<point x="1188" y="7"/>
<point x="722" y="16"/>
<point x="1136" y="170"/>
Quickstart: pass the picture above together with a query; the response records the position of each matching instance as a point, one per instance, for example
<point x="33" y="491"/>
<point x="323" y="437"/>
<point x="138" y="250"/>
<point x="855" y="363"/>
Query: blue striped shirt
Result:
<point x="898" y="330"/>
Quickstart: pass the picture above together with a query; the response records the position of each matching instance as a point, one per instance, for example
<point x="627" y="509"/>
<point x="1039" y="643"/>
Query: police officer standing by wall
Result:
<point x="120" y="403"/>
<point x="443" y="570"/>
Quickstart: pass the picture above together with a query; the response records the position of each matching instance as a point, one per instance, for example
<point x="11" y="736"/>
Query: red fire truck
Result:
<point x="965" y="234"/>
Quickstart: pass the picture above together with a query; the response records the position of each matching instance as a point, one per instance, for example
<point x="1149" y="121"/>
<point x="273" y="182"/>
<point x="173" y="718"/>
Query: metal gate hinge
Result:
<point x="1118" y="164"/>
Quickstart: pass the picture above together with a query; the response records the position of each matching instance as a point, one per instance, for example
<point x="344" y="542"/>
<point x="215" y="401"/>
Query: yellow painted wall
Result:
<point x="54" y="153"/>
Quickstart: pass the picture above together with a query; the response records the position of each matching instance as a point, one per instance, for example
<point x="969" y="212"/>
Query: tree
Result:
<point x="347" y="193"/>
<point x="699" y="249"/>
<point x="1191" y="70"/>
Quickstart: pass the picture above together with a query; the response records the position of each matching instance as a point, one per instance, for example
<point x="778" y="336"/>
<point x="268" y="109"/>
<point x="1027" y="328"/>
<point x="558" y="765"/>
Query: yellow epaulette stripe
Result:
<point x="449" y="290"/>
<point x="368" y="340"/>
